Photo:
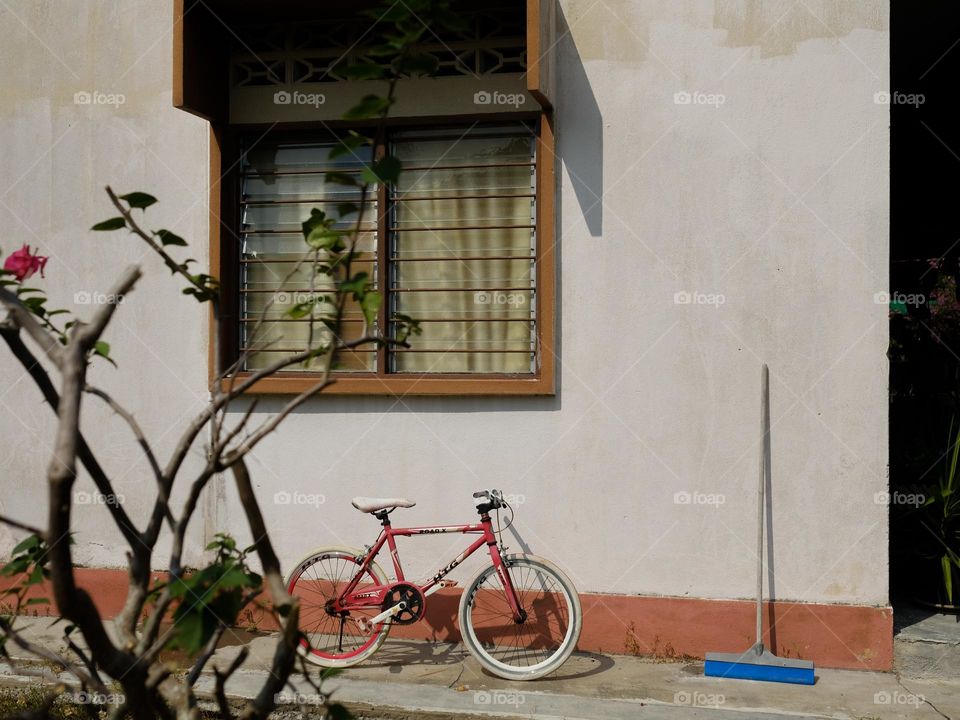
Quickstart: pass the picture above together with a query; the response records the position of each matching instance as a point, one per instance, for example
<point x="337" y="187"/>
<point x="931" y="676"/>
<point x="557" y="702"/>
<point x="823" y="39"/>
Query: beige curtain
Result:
<point x="470" y="282"/>
<point x="475" y="304"/>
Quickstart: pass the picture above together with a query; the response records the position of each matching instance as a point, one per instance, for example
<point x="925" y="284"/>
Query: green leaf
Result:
<point x="363" y="71"/>
<point x="37" y="601"/>
<point x="385" y="170"/>
<point x="36" y="576"/>
<point x="326" y="239"/>
<point x="15" y="566"/>
<point x="188" y="633"/>
<point x="370" y="106"/>
<point x="111" y="224"/>
<point x="318" y="218"/>
<point x="103" y="350"/>
<point x="370" y="304"/>
<point x="139" y="200"/>
<point x="234" y="577"/>
<point x="169" y="238"/>
<point x="946" y="565"/>
<point x="29" y="542"/>
<point x="356" y="285"/>
<point x="300" y="310"/>
<point x="347" y="208"/>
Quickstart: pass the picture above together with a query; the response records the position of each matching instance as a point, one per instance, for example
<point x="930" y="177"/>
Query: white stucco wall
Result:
<point x="775" y="199"/>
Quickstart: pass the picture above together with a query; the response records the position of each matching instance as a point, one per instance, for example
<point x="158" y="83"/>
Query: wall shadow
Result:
<point x="579" y="129"/>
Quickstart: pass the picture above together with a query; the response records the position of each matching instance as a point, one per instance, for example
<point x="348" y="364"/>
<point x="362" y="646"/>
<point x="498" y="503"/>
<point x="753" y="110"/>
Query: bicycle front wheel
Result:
<point x="532" y="648"/>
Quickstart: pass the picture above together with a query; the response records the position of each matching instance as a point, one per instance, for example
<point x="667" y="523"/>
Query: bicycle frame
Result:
<point x="349" y="599"/>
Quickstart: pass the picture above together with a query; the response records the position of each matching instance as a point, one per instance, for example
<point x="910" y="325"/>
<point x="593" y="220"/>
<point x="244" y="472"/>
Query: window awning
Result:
<point x="207" y="34"/>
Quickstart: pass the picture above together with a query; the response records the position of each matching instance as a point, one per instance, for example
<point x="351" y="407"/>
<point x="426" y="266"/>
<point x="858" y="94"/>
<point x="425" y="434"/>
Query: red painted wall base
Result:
<point x="856" y="637"/>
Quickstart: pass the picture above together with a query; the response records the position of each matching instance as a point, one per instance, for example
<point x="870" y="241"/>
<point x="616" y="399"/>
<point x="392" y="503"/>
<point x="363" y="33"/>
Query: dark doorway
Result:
<point x="925" y="314"/>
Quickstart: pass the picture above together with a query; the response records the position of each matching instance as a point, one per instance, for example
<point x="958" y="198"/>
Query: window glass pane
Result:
<point x="281" y="184"/>
<point x="462" y="250"/>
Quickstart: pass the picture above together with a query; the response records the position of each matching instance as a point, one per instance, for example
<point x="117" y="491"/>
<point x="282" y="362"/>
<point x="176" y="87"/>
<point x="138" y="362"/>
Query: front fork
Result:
<point x="503" y="571"/>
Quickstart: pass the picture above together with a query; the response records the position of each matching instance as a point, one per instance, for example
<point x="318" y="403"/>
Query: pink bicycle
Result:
<point x="520" y="616"/>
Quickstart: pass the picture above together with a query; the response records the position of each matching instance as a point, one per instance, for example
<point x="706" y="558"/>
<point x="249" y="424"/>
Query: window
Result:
<point x="463" y="243"/>
<point x="453" y="244"/>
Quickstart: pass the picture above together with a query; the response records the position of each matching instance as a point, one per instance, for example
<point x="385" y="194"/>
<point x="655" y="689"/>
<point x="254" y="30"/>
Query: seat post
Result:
<point x="383" y="516"/>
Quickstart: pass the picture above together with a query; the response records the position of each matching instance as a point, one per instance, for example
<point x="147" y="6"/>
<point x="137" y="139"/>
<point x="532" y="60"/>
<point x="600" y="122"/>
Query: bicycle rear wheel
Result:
<point x="335" y="639"/>
<point x="543" y="641"/>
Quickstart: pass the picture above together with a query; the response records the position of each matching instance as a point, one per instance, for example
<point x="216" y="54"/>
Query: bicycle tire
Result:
<point x="513" y="659"/>
<point x="310" y="609"/>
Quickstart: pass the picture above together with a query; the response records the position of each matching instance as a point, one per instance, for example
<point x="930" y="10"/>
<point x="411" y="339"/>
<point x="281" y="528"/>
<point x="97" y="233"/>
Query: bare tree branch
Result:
<point x="22" y="526"/>
<point x="74" y="603"/>
<point x="21" y="317"/>
<point x="214" y="641"/>
<point x="132" y="423"/>
<point x="42" y="652"/>
<point x="221" y="681"/>
<point x="40" y="377"/>
<point x="258" y="529"/>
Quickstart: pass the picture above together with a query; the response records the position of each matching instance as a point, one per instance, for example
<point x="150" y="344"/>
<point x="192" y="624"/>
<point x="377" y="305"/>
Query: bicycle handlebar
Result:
<point x="494" y="496"/>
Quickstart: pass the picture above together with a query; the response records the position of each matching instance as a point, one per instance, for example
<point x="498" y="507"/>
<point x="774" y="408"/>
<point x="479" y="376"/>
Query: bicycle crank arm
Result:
<point x="439" y="586"/>
<point x="388" y="613"/>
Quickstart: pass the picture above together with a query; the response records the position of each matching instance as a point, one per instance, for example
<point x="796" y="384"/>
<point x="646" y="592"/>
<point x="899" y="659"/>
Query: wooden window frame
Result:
<point x="224" y="224"/>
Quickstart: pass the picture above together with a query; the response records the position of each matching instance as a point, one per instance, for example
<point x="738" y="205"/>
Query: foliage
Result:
<point x="925" y="399"/>
<point x="214" y="596"/>
<point x="938" y="514"/>
<point x="28" y="563"/>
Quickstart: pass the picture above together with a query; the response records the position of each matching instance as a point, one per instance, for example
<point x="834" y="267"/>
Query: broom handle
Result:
<point x="764" y="438"/>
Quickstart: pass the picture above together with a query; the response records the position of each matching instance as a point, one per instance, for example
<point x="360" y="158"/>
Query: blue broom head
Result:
<point x="759" y="664"/>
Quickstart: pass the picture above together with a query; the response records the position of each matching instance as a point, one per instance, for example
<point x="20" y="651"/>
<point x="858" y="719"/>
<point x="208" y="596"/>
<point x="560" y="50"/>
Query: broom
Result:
<point x="758" y="663"/>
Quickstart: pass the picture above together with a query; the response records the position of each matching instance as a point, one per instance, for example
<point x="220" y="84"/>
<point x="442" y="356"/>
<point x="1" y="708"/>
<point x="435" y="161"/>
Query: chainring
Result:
<point x="411" y="596"/>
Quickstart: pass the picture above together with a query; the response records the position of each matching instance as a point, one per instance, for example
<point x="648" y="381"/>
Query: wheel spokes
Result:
<point x="543" y="632"/>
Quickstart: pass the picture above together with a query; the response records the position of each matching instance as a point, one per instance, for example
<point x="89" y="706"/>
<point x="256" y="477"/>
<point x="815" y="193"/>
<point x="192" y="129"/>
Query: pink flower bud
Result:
<point x="24" y="264"/>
